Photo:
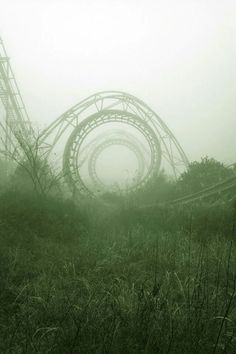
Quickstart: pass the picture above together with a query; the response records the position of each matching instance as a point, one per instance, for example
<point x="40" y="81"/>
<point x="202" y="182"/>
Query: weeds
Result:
<point x="159" y="283"/>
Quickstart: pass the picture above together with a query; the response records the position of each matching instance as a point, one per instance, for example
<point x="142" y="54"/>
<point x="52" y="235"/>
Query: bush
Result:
<point x="31" y="213"/>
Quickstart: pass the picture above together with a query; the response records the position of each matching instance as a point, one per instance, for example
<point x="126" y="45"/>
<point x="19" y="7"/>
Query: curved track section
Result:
<point x="74" y="143"/>
<point x="105" y="108"/>
<point x="113" y="134"/>
<point x="103" y="146"/>
<point x="71" y="128"/>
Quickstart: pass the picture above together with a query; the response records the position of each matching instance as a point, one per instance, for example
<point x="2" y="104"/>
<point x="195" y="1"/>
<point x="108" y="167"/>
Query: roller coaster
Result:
<point x="81" y="135"/>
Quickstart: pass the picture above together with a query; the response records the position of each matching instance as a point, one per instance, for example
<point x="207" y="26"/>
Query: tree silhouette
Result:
<point x="203" y="174"/>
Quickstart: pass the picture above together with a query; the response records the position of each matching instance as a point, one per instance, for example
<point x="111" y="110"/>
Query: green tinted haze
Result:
<point x="178" y="56"/>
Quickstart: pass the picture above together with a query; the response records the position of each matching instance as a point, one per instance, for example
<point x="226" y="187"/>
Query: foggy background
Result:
<point x="177" y="56"/>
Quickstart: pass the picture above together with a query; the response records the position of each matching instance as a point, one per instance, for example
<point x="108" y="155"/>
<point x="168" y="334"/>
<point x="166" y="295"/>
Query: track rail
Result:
<point x="17" y="123"/>
<point x="219" y="188"/>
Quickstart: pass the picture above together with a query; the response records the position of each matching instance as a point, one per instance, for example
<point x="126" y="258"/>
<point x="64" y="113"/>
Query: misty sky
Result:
<point x="178" y="56"/>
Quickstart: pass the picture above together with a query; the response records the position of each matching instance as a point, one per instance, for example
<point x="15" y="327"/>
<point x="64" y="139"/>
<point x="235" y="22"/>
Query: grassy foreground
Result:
<point x="116" y="280"/>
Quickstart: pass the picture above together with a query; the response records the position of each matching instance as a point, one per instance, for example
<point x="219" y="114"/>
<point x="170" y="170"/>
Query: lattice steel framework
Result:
<point x="92" y="161"/>
<point x="107" y="107"/>
<point x="82" y="119"/>
<point x="109" y="135"/>
<point x="74" y="143"/>
<point x="15" y="124"/>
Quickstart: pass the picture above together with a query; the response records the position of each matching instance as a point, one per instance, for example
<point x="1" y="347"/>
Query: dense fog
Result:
<point x="177" y="56"/>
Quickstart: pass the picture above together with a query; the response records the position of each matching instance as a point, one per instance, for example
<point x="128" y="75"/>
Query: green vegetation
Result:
<point x="203" y="174"/>
<point x="91" y="277"/>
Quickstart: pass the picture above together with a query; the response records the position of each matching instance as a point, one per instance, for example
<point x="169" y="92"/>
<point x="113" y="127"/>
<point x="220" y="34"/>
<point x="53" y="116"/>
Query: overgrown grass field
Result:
<point x="111" y="279"/>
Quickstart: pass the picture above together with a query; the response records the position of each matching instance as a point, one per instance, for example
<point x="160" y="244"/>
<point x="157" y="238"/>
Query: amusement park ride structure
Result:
<point x="16" y="122"/>
<point x="87" y="129"/>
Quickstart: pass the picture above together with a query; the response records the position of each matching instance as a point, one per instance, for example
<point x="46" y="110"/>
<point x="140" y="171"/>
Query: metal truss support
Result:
<point x="103" y="104"/>
<point x="92" y="170"/>
<point x="16" y="123"/>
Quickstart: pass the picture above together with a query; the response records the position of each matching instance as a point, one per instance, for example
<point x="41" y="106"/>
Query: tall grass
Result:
<point x="116" y="280"/>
